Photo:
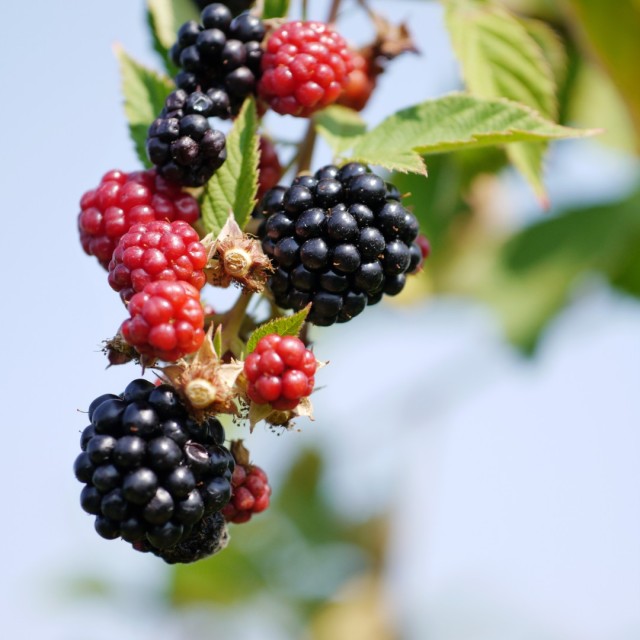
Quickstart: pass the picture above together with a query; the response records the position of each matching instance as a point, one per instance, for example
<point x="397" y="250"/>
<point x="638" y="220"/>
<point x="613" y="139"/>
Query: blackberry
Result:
<point x="181" y="143"/>
<point x="339" y="239"/>
<point x="207" y="537"/>
<point x="152" y="475"/>
<point x="220" y="56"/>
<point x="235" y="6"/>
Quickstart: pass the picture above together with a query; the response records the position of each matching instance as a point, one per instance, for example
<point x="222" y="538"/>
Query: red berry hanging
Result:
<point x="122" y="200"/>
<point x="360" y="84"/>
<point x="304" y="68"/>
<point x="250" y="490"/>
<point x="157" y="251"/>
<point x="167" y="321"/>
<point x="280" y="372"/>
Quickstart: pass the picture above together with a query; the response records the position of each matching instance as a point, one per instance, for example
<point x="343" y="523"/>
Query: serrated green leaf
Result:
<point x="275" y="9"/>
<point x="612" y="35"/>
<point x="451" y="123"/>
<point x="144" y="94"/>
<point x="551" y="46"/>
<point x="284" y="326"/>
<point x="340" y="127"/>
<point x="501" y="59"/>
<point x="528" y="278"/>
<point x="234" y="186"/>
<point x="167" y="16"/>
<point x="498" y="56"/>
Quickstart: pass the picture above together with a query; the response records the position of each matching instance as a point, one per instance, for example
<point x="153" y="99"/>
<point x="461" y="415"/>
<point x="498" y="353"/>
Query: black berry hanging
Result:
<point x="220" y="57"/>
<point x="182" y="144"/>
<point x="151" y="473"/>
<point x="339" y="239"/>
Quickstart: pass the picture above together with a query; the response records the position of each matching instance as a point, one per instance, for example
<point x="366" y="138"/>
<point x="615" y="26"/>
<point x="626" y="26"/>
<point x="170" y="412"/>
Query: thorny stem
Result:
<point x="306" y="148"/>
<point x="232" y="323"/>
<point x="333" y="12"/>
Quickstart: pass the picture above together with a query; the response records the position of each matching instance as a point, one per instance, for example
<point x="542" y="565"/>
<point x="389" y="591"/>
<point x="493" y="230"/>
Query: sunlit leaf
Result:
<point x="144" y="95"/>
<point x="234" y="185"/>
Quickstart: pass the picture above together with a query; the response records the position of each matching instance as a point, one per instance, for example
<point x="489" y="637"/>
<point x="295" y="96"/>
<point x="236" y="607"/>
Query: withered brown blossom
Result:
<point x="236" y="258"/>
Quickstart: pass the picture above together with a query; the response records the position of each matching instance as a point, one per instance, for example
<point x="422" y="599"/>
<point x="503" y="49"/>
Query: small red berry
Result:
<point x="158" y="250"/>
<point x="304" y="68"/>
<point x="360" y="84"/>
<point x="280" y="372"/>
<point x="250" y="492"/>
<point x="166" y="320"/>
<point x="122" y="200"/>
<point x="269" y="169"/>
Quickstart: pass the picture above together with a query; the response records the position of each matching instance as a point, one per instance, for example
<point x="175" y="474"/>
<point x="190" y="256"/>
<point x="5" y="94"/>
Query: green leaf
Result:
<point x="340" y="127"/>
<point x="167" y="16"/>
<point x="551" y="46"/>
<point x="451" y="123"/>
<point x="144" y="95"/>
<point x="235" y="184"/>
<point x="275" y="9"/>
<point x="500" y="57"/>
<point x="530" y="277"/>
<point x="284" y="326"/>
<point x="612" y="35"/>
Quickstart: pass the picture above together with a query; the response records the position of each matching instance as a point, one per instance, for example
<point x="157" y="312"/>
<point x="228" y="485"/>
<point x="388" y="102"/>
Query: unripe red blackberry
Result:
<point x="304" y="68"/>
<point x="280" y="371"/>
<point x="181" y="143"/>
<point x="220" y="56"/>
<point x="151" y="473"/>
<point x="122" y="200"/>
<point x="167" y="320"/>
<point x="250" y="493"/>
<point x="360" y="84"/>
<point x="269" y="169"/>
<point x="157" y="251"/>
<point x="339" y="239"/>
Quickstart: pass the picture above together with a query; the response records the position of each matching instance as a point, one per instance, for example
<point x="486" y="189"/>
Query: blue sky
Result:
<point x="525" y="471"/>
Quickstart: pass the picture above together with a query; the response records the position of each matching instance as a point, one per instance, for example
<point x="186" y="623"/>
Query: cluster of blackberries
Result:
<point x="153" y="476"/>
<point x="220" y="65"/>
<point x="222" y="55"/>
<point x="339" y="239"/>
<point x="182" y="144"/>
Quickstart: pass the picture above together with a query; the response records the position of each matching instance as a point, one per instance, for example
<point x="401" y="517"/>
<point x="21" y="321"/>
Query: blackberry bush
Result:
<point x="339" y="239"/>
<point x="150" y="472"/>
<point x="220" y="57"/>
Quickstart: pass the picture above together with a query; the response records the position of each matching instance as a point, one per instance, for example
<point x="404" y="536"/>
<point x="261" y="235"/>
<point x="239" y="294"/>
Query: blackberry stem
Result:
<point x="232" y="323"/>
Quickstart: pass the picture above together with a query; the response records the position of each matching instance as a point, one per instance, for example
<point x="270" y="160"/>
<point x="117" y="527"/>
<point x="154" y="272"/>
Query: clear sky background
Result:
<point x="514" y="482"/>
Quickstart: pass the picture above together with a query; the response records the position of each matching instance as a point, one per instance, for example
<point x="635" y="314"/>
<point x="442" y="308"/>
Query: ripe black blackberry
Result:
<point x="220" y="57"/>
<point x="151" y="473"/>
<point x="207" y="537"/>
<point x="235" y="6"/>
<point x="181" y="142"/>
<point x="339" y="239"/>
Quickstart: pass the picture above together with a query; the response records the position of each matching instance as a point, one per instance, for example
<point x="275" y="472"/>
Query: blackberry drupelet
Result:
<point x="235" y="6"/>
<point x="182" y="144"/>
<point x="339" y="239"/>
<point x="220" y="56"/>
<point x="152" y="474"/>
